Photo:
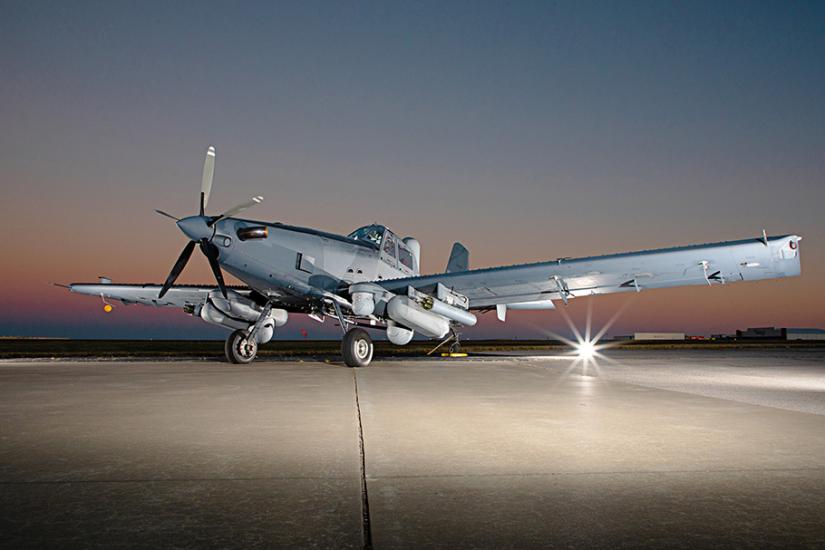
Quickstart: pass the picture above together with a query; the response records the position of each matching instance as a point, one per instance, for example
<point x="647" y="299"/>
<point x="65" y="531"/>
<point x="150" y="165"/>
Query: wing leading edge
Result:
<point x="147" y="294"/>
<point x="182" y="296"/>
<point x="703" y="264"/>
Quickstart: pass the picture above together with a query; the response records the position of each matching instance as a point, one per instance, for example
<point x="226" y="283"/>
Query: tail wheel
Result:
<point x="357" y="348"/>
<point x="240" y="349"/>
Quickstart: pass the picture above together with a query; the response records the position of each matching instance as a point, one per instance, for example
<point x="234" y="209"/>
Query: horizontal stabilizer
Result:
<point x="459" y="259"/>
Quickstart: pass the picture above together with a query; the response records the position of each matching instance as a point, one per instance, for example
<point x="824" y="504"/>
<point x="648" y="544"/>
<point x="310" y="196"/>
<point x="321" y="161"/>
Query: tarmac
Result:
<point x="679" y="449"/>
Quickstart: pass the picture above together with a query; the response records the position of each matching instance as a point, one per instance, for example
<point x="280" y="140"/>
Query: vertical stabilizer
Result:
<point x="459" y="259"/>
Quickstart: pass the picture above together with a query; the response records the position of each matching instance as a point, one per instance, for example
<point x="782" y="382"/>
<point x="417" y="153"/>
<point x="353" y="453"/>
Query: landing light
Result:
<point x="107" y="308"/>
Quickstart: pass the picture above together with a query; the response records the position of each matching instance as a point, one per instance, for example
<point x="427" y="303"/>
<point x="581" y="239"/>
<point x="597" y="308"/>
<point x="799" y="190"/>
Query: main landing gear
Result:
<point x="357" y="348"/>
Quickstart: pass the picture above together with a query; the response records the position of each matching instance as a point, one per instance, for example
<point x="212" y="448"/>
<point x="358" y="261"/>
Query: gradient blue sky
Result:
<point x="527" y="131"/>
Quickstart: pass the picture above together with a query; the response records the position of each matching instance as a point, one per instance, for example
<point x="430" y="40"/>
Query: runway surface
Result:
<point x="650" y="449"/>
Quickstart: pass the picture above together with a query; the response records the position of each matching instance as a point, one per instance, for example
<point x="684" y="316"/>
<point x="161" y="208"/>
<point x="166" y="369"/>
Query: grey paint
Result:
<point x="459" y="259"/>
<point x="727" y="262"/>
<point x="301" y="268"/>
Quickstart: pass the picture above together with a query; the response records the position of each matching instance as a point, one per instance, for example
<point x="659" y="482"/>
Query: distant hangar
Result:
<point x="774" y="333"/>
<point x="753" y="333"/>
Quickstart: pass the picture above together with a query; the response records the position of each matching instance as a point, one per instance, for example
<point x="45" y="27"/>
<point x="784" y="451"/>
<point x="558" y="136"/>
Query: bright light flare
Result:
<point x="586" y="350"/>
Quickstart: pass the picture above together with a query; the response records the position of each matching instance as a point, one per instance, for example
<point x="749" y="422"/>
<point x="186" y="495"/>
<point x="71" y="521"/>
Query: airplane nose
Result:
<point x="195" y="228"/>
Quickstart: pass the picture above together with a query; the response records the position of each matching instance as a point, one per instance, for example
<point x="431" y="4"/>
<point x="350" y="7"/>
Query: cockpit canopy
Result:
<point x="394" y="251"/>
<point x="372" y="234"/>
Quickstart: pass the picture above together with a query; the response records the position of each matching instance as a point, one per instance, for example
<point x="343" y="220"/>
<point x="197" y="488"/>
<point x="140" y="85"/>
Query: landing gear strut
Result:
<point x="356" y="347"/>
<point x="240" y="348"/>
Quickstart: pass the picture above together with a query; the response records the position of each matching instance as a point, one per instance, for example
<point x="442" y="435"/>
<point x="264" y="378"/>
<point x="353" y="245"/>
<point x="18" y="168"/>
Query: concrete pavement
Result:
<point x="504" y="453"/>
<point x="179" y="454"/>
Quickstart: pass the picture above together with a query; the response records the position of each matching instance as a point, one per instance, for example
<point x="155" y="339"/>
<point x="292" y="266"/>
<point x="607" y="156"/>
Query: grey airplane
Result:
<point x="369" y="280"/>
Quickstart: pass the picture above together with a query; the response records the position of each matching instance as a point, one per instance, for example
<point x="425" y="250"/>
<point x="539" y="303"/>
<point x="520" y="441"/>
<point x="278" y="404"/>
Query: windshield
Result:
<point x="370" y="233"/>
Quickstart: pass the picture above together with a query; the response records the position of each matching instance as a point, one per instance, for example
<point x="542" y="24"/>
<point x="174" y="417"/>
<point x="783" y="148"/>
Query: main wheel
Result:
<point x="240" y="349"/>
<point x="356" y="347"/>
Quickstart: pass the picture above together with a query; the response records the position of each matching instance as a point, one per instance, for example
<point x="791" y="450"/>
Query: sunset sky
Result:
<point x="526" y="131"/>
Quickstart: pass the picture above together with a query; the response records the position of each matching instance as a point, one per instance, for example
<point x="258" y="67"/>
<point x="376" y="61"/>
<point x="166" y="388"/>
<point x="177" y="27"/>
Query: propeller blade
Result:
<point x="208" y="174"/>
<point x="177" y="268"/>
<point x="162" y="213"/>
<point x="211" y="252"/>
<point x="237" y="209"/>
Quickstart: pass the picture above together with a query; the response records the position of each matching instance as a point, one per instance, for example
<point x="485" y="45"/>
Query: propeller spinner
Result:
<point x="200" y="229"/>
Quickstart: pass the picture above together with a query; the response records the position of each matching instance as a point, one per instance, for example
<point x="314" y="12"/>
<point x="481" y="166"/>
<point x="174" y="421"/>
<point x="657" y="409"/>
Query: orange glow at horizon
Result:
<point x="27" y="298"/>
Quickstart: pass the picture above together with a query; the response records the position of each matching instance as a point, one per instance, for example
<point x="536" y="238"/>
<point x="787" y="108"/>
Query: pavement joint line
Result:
<point x="171" y="480"/>
<point x="412" y="476"/>
<point x="366" y="528"/>
<point x="608" y="473"/>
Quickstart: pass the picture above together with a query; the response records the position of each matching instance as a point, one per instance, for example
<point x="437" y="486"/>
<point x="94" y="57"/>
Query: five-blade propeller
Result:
<point x="200" y="229"/>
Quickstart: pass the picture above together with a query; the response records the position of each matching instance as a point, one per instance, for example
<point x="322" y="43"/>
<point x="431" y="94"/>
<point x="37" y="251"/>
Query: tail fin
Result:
<point x="459" y="259"/>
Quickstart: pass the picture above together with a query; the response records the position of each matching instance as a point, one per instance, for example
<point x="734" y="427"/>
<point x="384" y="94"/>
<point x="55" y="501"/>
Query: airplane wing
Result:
<point x="147" y="294"/>
<point x="181" y="296"/>
<point x="562" y="279"/>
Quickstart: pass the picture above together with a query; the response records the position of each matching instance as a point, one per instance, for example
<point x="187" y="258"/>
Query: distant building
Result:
<point x="774" y="333"/>
<point x="804" y="334"/>
<point x="761" y="333"/>
<point x="752" y="333"/>
<point x="648" y="336"/>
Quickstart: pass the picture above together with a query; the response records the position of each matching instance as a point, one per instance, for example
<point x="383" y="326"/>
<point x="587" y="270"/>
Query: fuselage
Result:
<point x="274" y="258"/>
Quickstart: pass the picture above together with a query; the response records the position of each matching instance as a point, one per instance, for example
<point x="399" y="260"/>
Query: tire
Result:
<point x="356" y="347"/>
<point x="239" y="350"/>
